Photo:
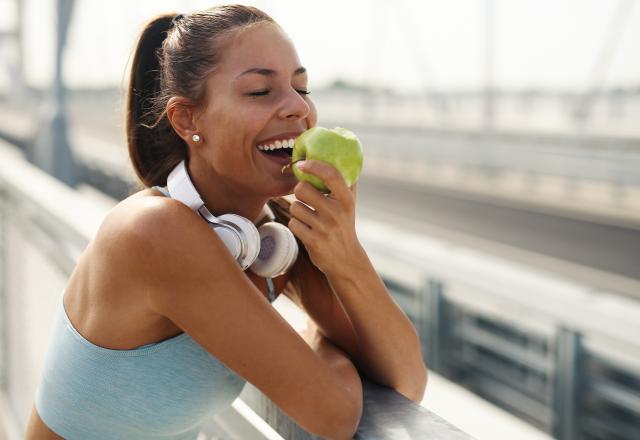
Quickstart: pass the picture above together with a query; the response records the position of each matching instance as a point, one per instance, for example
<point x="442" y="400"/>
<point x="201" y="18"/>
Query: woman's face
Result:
<point x="257" y="95"/>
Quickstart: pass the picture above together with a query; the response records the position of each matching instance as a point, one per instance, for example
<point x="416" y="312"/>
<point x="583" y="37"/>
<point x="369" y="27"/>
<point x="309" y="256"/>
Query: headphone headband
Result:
<point x="181" y="188"/>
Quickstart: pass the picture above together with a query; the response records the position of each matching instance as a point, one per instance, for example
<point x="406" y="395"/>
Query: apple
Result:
<point x="339" y="147"/>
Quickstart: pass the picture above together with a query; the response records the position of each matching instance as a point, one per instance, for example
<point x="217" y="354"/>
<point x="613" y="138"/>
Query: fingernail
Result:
<point x="301" y="164"/>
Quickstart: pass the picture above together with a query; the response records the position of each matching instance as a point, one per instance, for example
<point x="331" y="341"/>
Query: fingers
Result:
<point x="300" y="230"/>
<point x="329" y="175"/>
<point x="305" y="214"/>
<point x="307" y="193"/>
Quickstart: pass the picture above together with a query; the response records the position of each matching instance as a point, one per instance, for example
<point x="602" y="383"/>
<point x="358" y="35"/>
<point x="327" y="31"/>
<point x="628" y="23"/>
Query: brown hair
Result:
<point x="173" y="56"/>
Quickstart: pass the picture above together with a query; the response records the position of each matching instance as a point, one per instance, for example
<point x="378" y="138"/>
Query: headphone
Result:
<point x="269" y="251"/>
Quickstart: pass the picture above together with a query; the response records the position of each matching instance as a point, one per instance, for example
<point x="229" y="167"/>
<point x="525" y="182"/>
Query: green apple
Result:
<point x="339" y="147"/>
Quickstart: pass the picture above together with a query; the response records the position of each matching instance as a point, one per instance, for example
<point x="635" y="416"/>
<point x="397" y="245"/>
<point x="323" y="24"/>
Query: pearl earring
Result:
<point x="196" y="138"/>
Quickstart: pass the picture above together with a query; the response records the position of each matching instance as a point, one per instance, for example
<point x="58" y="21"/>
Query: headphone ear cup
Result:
<point x="233" y="243"/>
<point x="278" y="250"/>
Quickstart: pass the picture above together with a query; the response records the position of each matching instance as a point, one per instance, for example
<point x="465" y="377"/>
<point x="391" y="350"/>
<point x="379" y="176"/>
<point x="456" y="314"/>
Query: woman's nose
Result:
<point x="294" y="106"/>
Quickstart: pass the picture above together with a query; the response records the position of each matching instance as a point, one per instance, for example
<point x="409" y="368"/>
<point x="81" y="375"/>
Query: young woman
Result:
<point x="159" y="326"/>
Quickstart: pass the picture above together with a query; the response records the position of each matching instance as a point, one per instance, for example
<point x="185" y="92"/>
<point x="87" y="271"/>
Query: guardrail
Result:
<point x="570" y="157"/>
<point x="44" y="226"/>
<point x="563" y="357"/>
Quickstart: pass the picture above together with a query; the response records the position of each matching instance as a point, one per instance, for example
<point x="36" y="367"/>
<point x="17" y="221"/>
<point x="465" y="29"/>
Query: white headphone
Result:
<point x="269" y="251"/>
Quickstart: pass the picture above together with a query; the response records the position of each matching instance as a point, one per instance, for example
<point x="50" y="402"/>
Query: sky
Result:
<point x="407" y="45"/>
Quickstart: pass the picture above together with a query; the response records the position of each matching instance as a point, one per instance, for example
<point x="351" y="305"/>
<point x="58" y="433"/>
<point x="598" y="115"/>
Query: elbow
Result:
<point x="348" y="423"/>
<point x="342" y="423"/>
<point x="421" y="386"/>
<point x="414" y="390"/>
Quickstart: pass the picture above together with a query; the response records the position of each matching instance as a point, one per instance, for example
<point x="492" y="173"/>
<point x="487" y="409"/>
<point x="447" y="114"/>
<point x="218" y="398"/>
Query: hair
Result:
<point x="173" y="56"/>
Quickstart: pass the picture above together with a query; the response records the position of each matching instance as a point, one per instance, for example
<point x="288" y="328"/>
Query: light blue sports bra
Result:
<point x="164" y="390"/>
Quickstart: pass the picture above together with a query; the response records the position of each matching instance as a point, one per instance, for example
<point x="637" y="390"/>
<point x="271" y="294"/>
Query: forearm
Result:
<point x="389" y="346"/>
<point x="344" y="369"/>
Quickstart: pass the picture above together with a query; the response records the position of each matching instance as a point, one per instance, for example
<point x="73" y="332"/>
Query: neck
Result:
<point x="224" y="199"/>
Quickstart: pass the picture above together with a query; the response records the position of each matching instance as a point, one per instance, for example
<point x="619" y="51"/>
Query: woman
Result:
<point x="159" y="326"/>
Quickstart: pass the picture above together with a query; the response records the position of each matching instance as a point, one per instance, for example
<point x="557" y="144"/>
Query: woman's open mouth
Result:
<point x="278" y="151"/>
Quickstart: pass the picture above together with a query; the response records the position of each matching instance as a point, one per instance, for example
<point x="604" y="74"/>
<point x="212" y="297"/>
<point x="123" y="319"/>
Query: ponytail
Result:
<point x="154" y="147"/>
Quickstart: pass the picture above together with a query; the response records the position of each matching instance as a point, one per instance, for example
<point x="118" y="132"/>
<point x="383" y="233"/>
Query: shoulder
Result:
<point x="145" y="216"/>
<point x="143" y="235"/>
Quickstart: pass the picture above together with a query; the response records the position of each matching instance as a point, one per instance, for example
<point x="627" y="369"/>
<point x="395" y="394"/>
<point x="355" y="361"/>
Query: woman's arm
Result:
<point x="335" y="358"/>
<point x="388" y="346"/>
<point x="388" y="343"/>
<point x="314" y="294"/>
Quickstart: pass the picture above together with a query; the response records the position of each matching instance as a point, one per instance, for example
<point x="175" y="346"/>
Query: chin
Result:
<point x="285" y="192"/>
<point x="287" y="186"/>
<point x="281" y="188"/>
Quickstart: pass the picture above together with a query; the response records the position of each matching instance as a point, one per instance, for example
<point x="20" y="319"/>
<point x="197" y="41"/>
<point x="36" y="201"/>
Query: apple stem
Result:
<point x="289" y="165"/>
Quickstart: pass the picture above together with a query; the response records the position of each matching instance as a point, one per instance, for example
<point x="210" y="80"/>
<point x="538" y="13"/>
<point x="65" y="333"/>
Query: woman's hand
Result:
<point x="326" y="226"/>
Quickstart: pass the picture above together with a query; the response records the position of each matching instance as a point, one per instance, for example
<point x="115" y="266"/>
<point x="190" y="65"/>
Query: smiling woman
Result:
<point x="160" y="325"/>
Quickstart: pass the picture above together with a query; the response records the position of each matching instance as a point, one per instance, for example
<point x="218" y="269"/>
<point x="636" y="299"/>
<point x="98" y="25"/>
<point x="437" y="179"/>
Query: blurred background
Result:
<point x="502" y="169"/>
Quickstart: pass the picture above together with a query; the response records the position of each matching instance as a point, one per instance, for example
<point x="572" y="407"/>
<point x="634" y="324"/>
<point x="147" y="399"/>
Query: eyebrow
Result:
<point x="269" y="72"/>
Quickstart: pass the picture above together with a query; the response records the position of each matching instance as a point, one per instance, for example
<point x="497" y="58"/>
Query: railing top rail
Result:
<point x="52" y="201"/>
<point x="386" y="415"/>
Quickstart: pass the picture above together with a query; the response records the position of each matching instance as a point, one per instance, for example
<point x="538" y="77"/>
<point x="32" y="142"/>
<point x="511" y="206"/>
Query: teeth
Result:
<point x="284" y="143"/>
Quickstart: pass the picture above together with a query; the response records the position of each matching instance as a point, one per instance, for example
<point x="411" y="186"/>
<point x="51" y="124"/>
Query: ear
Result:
<point x="182" y="116"/>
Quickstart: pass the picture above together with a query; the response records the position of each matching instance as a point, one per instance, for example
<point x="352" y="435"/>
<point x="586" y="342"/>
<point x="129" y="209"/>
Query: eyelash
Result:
<point x="266" y="92"/>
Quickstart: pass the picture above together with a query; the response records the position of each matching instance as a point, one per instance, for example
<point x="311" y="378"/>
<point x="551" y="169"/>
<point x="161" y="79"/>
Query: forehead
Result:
<point x="263" y="45"/>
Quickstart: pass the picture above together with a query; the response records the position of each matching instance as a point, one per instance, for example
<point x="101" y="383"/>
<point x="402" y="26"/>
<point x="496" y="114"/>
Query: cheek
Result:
<point x="312" y="118"/>
<point x="225" y="128"/>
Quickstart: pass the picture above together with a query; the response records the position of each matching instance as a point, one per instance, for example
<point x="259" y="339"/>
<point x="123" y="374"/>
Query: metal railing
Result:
<point x="561" y="356"/>
<point x="44" y="226"/>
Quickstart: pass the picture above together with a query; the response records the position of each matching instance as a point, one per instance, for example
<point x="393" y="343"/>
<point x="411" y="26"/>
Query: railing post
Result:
<point x="432" y="323"/>
<point x="50" y="150"/>
<point x="568" y="377"/>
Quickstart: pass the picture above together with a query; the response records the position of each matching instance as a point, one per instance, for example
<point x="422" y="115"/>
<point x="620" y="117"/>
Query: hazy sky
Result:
<point x="406" y="44"/>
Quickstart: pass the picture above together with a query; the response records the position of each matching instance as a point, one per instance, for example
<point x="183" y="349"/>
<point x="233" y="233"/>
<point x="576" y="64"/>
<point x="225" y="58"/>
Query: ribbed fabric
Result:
<point x="164" y="390"/>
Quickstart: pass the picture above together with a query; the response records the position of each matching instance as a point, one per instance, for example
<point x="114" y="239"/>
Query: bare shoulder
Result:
<point x="143" y="233"/>
<point x="143" y="216"/>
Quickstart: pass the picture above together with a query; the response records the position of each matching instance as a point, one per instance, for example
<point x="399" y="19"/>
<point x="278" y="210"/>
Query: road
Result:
<point x="604" y="256"/>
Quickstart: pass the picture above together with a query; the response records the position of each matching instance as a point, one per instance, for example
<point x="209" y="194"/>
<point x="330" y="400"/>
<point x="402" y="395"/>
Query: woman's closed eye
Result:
<point x="266" y="92"/>
<point x="259" y="93"/>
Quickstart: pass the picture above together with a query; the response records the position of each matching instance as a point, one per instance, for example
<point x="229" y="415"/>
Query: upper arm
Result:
<point x="190" y="277"/>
